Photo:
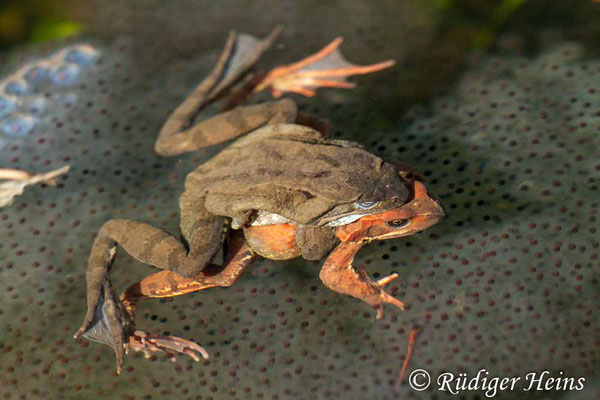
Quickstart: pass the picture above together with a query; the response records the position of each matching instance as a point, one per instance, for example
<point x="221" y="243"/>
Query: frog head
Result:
<point x="414" y="216"/>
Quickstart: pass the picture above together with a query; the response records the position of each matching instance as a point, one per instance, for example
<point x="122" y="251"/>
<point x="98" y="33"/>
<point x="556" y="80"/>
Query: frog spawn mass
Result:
<point x="506" y="282"/>
<point x="26" y="94"/>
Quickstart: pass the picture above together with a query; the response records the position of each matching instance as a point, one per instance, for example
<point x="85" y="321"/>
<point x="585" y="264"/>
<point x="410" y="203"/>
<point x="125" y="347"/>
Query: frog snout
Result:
<point x="441" y="212"/>
<point x="438" y="209"/>
<point x="430" y="213"/>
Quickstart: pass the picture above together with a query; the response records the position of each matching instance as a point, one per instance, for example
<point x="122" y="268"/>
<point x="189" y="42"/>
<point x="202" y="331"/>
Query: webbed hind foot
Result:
<point x="326" y="68"/>
<point x="107" y="323"/>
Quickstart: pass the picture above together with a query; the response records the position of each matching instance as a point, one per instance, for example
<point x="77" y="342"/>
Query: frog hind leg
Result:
<point x="175" y="140"/>
<point x="106" y="320"/>
<point x="168" y="284"/>
<point x="339" y="275"/>
<point x="182" y="133"/>
<point x="238" y="257"/>
<point x="326" y="68"/>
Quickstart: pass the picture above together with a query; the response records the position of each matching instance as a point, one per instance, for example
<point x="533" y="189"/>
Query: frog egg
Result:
<point x="82" y="55"/>
<point x="37" y="74"/>
<point x="7" y="105"/>
<point x="35" y="105"/>
<point x="17" y="125"/>
<point x="67" y="74"/>
<point x="17" y="87"/>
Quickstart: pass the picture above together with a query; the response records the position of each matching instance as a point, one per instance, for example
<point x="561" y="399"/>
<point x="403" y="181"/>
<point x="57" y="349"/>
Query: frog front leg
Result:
<point x="339" y="275"/>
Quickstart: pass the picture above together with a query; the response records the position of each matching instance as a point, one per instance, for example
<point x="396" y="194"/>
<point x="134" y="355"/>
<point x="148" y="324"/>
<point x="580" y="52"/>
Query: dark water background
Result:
<point x="496" y="103"/>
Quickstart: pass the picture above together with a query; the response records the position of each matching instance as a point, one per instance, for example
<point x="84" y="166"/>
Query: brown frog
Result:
<point x="283" y="190"/>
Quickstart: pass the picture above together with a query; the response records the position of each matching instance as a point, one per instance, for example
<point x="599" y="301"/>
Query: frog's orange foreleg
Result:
<point x="338" y="274"/>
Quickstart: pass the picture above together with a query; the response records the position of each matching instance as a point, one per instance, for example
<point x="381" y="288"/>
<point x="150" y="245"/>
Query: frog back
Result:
<point x="292" y="171"/>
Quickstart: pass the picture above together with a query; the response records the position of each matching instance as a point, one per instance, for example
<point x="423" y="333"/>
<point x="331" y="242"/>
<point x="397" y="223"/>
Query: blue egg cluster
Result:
<point x="21" y="108"/>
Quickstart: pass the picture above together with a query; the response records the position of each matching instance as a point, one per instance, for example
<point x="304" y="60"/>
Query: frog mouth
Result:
<point x="417" y="224"/>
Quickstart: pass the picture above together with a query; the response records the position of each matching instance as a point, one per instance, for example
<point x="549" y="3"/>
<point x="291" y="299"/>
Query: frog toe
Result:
<point x="147" y="343"/>
<point x="385" y="297"/>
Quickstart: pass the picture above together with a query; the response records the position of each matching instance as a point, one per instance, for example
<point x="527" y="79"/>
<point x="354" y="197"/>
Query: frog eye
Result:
<point x="398" y="223"/>
<point x="366" y="205"/>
